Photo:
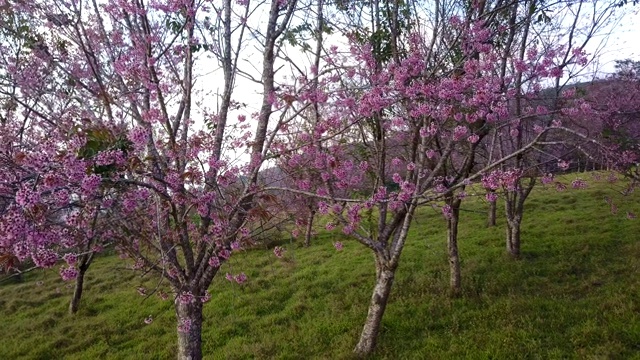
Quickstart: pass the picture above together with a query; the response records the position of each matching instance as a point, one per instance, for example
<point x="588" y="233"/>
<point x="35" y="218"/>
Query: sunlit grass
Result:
<point x="574" y="294"/>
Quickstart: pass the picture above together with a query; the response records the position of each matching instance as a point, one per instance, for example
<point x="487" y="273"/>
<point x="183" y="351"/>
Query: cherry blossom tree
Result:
<point x="85" y="223"/>
<point x="402" y="111"/>
<point x="610" y="135"/>
<point x="177" y="197"/>
<point x="541" y="104"/>
<point x="108" y="135"/>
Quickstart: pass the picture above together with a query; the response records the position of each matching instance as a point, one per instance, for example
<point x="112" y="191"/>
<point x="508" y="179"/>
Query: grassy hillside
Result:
<point x="574" y="294"/>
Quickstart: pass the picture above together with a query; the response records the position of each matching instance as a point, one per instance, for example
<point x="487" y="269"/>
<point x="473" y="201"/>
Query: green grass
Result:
<point x="574" y="294"/>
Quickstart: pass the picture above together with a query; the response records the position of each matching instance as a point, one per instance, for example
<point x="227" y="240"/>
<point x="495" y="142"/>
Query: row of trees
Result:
<point x="112" y="135"/>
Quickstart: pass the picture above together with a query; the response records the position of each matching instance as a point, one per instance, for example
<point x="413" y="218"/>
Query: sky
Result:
<point x="620" y="40"/>
<point x="623" y="41"/>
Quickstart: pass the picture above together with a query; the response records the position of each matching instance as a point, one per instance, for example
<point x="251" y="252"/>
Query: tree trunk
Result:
<point x="452" y="248"/>
<point x="491" y="220"/>
<point x="513" y="238"/>
<point x="74" y="304"/>
<point x="189" y="318"/>
<point x="307" y="235"/>
<point x="514" y="211"/>
<point x="379" y="299"/>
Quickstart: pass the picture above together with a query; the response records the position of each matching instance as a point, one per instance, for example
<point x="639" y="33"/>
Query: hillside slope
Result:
<point x="574" y="294"/>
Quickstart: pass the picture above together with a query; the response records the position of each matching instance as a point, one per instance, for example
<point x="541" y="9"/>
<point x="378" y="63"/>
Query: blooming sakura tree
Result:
<point x="403" y="114"/>
<point x="297" y="173"/>
<point x="109" y="137"/>
<point x="126" y="71"/>
<point x="55" y="202"/>
<point x="616" y="104"/>
<point x="561" y="60"/>
<point x="609" y="136"/>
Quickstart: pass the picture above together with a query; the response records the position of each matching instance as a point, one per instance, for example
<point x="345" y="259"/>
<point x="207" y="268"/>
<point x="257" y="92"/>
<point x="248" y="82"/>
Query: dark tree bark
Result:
<point x="77" y="292"/>
<point x="309" y="229"/>
<point x="452" y="247"/>
<point x="189" y="339"/>
<point x="514" y="211"/>
<point x="379" y="299"/>
<point x="491" y="218"/>
<point x="84" y="261"/>
<point x="513" y="238"/>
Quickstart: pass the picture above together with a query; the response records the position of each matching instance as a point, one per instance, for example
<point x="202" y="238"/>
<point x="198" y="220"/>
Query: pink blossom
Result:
<point x="186" y="297"/>
<point x="44" y="258"/>
<point x="556" y="72"/>
<point x="278" y="251"/>
<point x="70" y="258"/>
<point x="214" y="261"/>
<point x="459" y="132"/>
<point x="26" y="197"/>
<point x="139" y="264"/>
<point x="338" y="245"/>
<point x="492" y="180"/>
<point x="148" y="320"/>
<point x="241" y="278"/>
<point x="585" y="107"/>
<point x="547" y="179"/>
<point x="138" y="136"/>
<point x="323" y="207"/>
<point x="184" y="326"/>
<point x="563" y="165"/>
<point x="447" y="211"/>
<point x="68" y="273"/>
<point x="225" y="254"/>
<point x="579" y="184"/>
